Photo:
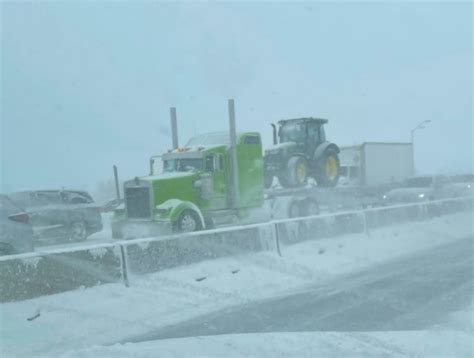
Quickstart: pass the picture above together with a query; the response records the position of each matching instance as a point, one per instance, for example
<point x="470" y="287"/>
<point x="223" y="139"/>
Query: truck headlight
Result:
<point x="163" y="211"/>
<point x="421" y="196"/>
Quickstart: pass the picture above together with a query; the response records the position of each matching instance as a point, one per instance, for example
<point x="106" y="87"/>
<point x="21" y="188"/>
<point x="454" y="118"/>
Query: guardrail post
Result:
<point x="124" y="265"/>
<point x="366" y="223"/>
<point x="276" y="236"/>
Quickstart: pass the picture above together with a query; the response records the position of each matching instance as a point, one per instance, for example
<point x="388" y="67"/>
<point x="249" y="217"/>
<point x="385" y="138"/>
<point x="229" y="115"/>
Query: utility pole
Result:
<point x="420" y="125"/>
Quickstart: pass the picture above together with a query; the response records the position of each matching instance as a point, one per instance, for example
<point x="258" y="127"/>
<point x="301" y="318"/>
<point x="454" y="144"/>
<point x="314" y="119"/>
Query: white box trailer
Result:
<point x="373" y="164"/>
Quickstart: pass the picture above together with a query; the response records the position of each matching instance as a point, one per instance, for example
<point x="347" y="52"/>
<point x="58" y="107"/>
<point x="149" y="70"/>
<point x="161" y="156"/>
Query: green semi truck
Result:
<point x="215" y="179"/>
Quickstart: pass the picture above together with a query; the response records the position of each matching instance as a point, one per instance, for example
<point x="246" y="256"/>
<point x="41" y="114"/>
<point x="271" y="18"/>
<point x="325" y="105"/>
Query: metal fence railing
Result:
<point x="30" y="275"/>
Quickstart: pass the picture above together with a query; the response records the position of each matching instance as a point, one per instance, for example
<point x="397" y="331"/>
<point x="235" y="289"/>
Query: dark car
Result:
<point x="64" y="214"/>
<point x="461" y="185"/>
<point x="16" y="233"/>
<point x="419" y="189"/>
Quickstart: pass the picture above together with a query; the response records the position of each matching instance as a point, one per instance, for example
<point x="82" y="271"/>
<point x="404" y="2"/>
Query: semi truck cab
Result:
<point x="193" y="190"/>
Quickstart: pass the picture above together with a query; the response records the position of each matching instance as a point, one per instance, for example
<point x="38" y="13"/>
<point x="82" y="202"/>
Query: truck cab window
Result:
<point x="252" y="139"/>
<point x="209" y="163"/>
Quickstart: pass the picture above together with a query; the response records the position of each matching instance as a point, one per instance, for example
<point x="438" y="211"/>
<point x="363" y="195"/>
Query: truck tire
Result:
<point x="311" y="208"/>
<point x="328" y="168"/>
<point x="296" y="172"/>
<point x="267" y="180"/>
<point x="188" y="221"/>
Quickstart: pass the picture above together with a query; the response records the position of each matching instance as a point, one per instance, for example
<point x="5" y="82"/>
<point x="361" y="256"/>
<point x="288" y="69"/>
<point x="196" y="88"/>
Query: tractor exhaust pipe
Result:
<point x="174" y="127"/>
<point x="275" y="141"/>
<point x="234" y="177"/>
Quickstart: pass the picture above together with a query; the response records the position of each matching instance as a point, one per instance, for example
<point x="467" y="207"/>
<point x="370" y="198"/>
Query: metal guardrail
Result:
<point x="34" y="274"/>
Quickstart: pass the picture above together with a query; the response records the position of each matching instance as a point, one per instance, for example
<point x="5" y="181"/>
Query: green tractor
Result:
<point x="302" y="152"/>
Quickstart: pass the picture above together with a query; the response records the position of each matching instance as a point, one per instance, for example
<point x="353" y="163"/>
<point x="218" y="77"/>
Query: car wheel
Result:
<point x="78" y="231"/>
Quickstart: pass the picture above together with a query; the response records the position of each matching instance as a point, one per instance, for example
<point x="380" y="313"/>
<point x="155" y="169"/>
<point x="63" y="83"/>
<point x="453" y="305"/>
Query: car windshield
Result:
<point x="421" y="182"/>
<point x="183" y="165"/>
<point x="292" y="132"/>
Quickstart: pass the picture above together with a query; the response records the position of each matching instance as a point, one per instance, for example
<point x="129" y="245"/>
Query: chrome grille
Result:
<point x="138" y="202"/>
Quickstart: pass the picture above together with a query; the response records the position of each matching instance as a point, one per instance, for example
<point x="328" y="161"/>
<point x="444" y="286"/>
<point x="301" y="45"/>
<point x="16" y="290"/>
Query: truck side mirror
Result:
<point x="216" y="164"/>
<point x="152" y="164"/>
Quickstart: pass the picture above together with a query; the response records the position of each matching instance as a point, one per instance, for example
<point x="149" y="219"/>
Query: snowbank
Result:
<point x="110" y="313"/>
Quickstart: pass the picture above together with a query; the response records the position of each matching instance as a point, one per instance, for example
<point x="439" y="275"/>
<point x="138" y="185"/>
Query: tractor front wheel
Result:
<point x="296" y="172"/>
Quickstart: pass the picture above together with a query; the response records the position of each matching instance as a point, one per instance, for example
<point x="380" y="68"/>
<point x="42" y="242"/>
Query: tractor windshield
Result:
<point x="183" y="165"/>
<point x="292" y="132"/>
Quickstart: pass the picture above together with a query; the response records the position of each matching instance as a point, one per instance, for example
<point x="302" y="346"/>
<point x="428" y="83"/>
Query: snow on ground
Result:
<point x="110" y="313"/>
<point x="430" y="343"/>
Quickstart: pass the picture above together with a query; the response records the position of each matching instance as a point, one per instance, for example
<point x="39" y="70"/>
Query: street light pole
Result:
<point x="420" y="125"/>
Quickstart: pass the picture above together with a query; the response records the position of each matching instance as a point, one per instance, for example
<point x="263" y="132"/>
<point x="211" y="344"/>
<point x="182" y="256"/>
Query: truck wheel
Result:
<point x="328" y="169"/>
<point x="297" y="172"/>
<point x="311" y="208"/>
<point x="78" y="231"/>
<point x="267" y="180"/>
<point x="188" y="221"/>
<point x="294" y="210"/>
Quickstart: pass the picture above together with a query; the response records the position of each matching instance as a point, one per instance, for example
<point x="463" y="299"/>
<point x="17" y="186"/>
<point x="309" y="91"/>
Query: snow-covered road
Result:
<point x="412" y="293"/>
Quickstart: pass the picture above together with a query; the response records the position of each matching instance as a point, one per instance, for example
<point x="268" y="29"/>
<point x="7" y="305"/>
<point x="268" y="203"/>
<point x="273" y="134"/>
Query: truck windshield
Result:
<point x="209" y="139"/>
<point x="292" y="133"/>
<point x="182" y="165"/>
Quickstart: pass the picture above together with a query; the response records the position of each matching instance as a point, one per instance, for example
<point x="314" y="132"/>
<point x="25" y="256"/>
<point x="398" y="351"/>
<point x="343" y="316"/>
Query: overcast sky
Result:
<point x="88" y="85"/>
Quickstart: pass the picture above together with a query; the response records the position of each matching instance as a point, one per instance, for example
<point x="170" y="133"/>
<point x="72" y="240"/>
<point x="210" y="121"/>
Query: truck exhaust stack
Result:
<point x="174" y="127"/>
<point x="234" y="185"/>
<point x="275" y="140"/>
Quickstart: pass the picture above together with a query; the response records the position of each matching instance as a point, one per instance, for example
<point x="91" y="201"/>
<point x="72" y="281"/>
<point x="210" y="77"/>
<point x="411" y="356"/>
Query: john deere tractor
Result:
<point x="301" y="152"/>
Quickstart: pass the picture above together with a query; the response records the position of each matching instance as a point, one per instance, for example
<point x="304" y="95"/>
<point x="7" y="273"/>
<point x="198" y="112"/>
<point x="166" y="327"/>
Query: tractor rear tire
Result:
<point x="296" y="173"/>
<point x="328" y="169"/>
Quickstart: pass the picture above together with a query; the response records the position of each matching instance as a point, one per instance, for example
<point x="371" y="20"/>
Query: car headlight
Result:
<point x="421" y="196"/>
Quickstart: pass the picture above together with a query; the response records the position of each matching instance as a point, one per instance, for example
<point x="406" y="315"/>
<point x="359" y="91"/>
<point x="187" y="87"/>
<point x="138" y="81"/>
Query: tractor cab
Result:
<point x="306" y="133"/>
